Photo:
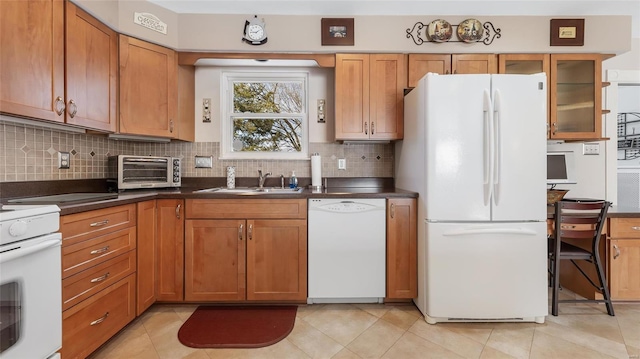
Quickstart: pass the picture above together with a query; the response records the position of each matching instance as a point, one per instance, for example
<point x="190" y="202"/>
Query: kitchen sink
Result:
<point x="252" y="190"/>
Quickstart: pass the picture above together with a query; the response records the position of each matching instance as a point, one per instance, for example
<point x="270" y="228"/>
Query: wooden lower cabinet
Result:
<point x="146" y="252"/>
<point x="170" y="250"/>
<point x="89" y="324"/>
<point x="230" y="258"/>
<point x="624" y="269"/>
<point x="402" y="255"/>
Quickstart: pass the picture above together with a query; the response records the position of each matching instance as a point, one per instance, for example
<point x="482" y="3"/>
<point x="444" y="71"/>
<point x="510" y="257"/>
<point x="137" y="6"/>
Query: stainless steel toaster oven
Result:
<point x="129" y="172"/>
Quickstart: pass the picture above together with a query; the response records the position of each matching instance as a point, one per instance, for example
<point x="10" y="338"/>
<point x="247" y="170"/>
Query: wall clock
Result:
<point x="255" y="32"/>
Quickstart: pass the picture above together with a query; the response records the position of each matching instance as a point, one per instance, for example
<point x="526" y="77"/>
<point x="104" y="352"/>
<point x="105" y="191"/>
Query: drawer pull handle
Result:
<point x="74" y="108"/>
<point x="101" y="319"/>
<point x="59" y="106"/>
<point x="100" y="279"/>
<point x="250" y="231"/>
<point x="393" y="210"/>
<point x="98" y="224"/>
<point x="635" y="228"/>
<point x="178" y="211"/>
<point x="617" y="254"/>
<point x="564" y="226"/>
<point x="240" y="230"/>
<point x="100" y="250"/>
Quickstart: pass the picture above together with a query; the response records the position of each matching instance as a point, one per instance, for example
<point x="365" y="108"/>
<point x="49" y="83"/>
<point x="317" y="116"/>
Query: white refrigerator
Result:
<point x="475" y="150"/>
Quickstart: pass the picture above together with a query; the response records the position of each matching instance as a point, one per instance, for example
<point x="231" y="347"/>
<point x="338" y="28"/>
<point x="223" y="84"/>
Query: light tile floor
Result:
<point x="345" y="331"/>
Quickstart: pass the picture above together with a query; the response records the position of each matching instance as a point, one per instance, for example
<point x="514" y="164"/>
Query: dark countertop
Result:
<point x="339" y="188"/>
<point x="614" y="212"/>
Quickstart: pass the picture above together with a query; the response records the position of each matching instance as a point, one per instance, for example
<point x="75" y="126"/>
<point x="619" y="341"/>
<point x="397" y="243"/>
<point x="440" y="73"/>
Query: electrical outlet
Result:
<point x="204" y="161"/>
<point x="342" y="164"/>
<point x="206" y="110"/>
<point x="64" y="160"/>
<point x="590" y="148"/>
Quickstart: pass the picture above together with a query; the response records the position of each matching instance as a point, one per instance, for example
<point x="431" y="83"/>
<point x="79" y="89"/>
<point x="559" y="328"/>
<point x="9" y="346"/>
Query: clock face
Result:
<point x="255" y="32"/>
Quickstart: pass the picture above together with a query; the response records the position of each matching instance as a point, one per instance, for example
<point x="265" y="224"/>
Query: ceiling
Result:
<point x="409" y="7"/>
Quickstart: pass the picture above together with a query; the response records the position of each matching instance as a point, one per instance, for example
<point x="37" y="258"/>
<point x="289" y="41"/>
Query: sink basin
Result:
<point x="251" y="190"/>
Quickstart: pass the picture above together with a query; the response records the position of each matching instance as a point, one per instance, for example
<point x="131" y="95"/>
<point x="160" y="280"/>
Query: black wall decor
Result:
<point x="419" y="33"/>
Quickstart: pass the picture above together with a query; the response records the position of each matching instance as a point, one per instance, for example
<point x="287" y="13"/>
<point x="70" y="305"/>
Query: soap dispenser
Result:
<point x="293" y="180"/>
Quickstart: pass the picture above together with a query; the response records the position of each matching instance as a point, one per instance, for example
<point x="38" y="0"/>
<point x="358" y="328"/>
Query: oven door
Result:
<point x="30" y="298"/>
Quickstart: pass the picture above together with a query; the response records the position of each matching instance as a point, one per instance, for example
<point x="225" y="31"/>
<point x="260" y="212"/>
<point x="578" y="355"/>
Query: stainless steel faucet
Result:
<point x="261" y="178"/>
<point x="282" y="181"/>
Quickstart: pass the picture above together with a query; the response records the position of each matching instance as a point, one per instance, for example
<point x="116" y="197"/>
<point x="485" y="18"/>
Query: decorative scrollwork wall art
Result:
<point x="469" y="31"/>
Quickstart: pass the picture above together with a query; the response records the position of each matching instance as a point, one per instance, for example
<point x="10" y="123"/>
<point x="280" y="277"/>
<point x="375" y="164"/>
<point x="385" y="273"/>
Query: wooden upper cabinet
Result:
<point x="474" y="64"/>
<point x="91" y="77"/>
<point x="148" y="89"/>
<point x="576" y="96"/>
<point x="444" y="64"/>
<point x="369" y="96"/>
<point x="524" y="64"/>
<point x="32" y="59"/>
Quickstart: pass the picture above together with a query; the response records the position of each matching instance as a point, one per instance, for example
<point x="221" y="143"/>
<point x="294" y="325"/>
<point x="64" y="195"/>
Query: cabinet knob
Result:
<point x="59" y="106"/>
<point x="171" y="126"/>
<point x="372" y="129"/>
<point x="366" y="129"/>
<point x="617" y="254"/>
<point x="73" y="107"/>
<point x="393" y="210"/>
<point x="240" y="230"/>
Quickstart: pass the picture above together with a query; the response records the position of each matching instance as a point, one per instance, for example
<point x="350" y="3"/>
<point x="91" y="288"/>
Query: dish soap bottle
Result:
<point x="293" y="180"/>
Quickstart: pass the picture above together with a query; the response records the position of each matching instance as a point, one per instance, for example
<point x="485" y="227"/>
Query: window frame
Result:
<point x="227" y="115"/>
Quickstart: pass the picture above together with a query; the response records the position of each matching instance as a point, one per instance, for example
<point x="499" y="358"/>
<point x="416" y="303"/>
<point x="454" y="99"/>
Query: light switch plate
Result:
<point x="204" y="161"/>
<point x="64" y="160"/>
<point x="590" y="148"/>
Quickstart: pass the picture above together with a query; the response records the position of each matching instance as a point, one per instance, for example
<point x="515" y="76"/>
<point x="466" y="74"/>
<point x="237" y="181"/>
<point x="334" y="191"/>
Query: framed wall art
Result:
<point x="567" y="32"/>
<point x="337" y="32"/>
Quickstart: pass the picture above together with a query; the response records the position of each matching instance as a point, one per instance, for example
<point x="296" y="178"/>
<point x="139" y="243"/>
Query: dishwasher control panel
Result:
<point x="344" y="206"/>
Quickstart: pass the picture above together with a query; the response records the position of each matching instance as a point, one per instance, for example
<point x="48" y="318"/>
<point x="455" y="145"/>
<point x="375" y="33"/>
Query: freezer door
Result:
<point x="486" y="271"/>
<point x="520" y="125"/>
<point x="457" y="175"/>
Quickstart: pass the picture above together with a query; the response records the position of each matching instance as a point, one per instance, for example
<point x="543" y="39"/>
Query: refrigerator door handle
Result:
<point x="475" y="231"/>
<point x="497" y="140"/>
<point x="487" y="147"/>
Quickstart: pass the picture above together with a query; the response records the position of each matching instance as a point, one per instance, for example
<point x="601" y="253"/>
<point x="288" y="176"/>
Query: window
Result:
<point x="264" y="115"/>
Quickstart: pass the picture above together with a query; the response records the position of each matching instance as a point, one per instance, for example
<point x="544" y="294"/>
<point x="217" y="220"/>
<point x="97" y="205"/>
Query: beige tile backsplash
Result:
<point x="30" y="153"/>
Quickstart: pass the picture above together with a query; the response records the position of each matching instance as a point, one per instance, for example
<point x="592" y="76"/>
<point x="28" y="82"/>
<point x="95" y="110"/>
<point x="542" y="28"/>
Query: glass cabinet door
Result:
<point x="576" y="95"/>
<point x="523" y="64"/>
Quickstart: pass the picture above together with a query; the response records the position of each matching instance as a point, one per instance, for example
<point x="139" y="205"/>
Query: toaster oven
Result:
<point x="130" y="172"/>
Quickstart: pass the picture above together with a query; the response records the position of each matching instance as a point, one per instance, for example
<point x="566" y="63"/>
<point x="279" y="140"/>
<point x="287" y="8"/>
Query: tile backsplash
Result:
<point x="30" y="153"/>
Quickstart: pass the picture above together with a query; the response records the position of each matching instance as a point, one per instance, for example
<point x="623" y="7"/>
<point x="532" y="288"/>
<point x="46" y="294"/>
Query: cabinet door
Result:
<point x="277" y="259"/>
<point x="624" y="269"/>
<point x="421" y="64"/>
<point x="523" y="64"/>
<point x="474" y="64"/>
<point x="148" y="88"/>
<point x="352" y="96"/>
<point x="215" y="260"/>
<point x="146" y="254"/>
<point x="170" y="250"/>
<point x="576" y="95"/>
<point x="402" y="268"/>
<point x="388" y="77"/>
<point x="32" y="59"/>
<point x="91" y="72"/>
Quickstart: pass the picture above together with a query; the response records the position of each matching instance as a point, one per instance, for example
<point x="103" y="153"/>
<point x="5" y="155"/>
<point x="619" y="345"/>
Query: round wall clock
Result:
<point x="255" y="32"/>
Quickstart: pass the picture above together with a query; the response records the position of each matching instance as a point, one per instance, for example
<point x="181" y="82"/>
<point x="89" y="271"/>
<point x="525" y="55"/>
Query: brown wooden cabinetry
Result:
<point x="148" y="89"/>
<point x="146" y="253"/>
<point x="170" y="250"/>
<point x="249" y="249"/>
<point x="402" y="252"/>
<point x="51" y="73"/>
<point x="421" y="64"/>
<point x="624" y="258"/>
<point x="575" y="91"/>
<point x="98" y="277"/>
<point x="369" y="96"/>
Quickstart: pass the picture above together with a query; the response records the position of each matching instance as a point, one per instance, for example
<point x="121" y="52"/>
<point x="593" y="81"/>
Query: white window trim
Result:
<point x="226" y="110"/>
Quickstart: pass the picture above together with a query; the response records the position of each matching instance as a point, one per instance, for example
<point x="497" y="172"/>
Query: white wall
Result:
<point x="321" y="86"/>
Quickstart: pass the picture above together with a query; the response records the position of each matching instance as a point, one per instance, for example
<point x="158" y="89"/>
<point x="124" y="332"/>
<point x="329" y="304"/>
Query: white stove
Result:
<point x="30" y="281"/>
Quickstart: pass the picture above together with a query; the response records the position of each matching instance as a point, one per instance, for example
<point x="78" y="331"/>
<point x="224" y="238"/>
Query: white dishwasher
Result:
<point x="346" y="250"/>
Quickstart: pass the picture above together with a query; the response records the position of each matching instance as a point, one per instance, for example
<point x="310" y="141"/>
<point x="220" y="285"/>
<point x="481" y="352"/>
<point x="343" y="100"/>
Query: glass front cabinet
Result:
<point x="575" y="91"/>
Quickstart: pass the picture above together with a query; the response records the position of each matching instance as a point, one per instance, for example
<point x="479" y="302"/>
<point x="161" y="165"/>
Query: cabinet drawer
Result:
<point x="624" y="227"/>
<point x="246" y="208"/>
<point x="92" y="322"/>
<point x="81" y="286"/>
<point x="82" y="226"/>
<point x="80" y="256"/>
